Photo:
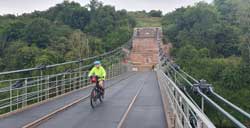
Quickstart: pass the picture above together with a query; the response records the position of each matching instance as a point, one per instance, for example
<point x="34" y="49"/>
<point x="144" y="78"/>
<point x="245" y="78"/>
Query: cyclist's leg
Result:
<point x="101" y="84"/>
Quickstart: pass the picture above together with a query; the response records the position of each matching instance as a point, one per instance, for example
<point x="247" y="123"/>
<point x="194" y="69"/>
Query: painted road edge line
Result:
<point x="120" y="125"/>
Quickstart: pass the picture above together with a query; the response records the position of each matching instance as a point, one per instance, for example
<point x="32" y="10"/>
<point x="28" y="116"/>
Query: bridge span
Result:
<point x="148" y="92"/>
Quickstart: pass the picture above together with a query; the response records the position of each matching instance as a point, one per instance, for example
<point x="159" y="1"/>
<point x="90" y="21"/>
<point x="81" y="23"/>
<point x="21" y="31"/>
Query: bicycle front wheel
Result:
<point x="93" y="98"/>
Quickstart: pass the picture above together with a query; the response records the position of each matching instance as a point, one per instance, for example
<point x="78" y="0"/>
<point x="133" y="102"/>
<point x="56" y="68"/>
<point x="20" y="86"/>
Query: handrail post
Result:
<point x="38" y="89"/>
<point x="175" y="77"/>
<point x="47" y="88"/>
<point x="10" y="96"/>
<point x="80" y="75"/>
<point x="26" y="92"/>
<point x="86" y="81"/>
<point x="64" y="83"/>
<point x="112" y="72"/>
<point x="41" y="85"/>
<point x="57" y="86"/>
<point x="76" y="79"/>
<point x="70" y="81"/>
<point x="202" y="104"/>
<point x="109" y="72"/>
<point x="17" y="98"/>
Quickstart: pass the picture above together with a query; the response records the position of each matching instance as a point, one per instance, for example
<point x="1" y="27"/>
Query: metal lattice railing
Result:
<point x="184" y="113"/>
<point x="203" y="89"/>
<point x="45" y="82"/>
<point x="183" y="80"/>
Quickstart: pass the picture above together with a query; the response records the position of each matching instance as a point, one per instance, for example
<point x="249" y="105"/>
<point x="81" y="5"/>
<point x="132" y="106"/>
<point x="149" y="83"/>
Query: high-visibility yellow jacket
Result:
<point x="100" y="72"/>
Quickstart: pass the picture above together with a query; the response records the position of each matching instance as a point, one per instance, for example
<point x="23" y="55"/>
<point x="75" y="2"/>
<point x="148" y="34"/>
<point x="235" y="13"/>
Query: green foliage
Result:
<point x="27" y="56"/>
<point x="38" y="32"/>
<point x="201" y="27"/>
<point x="67" y="31"/>
<point x="245" y="48"/>
<point x="71" y="14"/>
<point x="78" y="45"/>
<point x="143" y="19"/>
<point x="211" y="41"/>
<point x="13" y="31"/>
<point x="116" y="38"/>
<point x="155" y="13"/>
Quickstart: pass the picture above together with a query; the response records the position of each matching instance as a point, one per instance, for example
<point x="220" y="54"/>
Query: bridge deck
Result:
<point x="146" y="112"/>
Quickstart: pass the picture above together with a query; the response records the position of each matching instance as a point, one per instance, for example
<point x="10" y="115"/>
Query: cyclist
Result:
<point x="100" y="72"/>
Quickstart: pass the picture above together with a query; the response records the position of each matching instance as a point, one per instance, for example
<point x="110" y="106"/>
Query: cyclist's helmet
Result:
<point x="97" y="62"/>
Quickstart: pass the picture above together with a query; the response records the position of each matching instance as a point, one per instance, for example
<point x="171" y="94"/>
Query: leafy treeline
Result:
<point x="147" y="19"/>
<point x="212" y="41"/>
<point x="143" y="13"/>
<point x="64" y="32"/>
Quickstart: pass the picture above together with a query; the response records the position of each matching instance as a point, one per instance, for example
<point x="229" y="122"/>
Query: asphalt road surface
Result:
<point x="146" y="112"/>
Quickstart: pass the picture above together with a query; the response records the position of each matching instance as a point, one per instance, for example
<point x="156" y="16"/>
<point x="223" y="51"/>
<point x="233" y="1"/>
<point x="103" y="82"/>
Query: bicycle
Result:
<point x="96" y="92"/>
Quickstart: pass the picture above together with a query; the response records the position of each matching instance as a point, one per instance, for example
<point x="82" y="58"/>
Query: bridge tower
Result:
<point x="144" y="53"/>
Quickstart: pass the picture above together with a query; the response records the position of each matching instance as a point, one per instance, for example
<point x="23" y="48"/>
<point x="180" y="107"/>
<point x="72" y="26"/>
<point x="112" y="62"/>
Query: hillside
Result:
<point x="144" y="19"/>
<point x="211" y="41"/>
<point x="67" y="31"/>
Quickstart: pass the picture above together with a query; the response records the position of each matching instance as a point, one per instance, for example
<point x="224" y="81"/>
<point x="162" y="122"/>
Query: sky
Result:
<point x="18" y="7"/>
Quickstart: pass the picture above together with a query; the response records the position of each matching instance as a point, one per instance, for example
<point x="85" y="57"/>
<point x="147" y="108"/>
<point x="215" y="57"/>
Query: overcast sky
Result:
<point x="26" y="6"/>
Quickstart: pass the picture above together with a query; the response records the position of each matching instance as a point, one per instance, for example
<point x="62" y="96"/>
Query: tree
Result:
<point x="234" y="12"/>
<point x="212" y="42"/>
<point x="103" y="21"/>
<point x="71" y="14"/>
<point x="14" y="31"/>
<point x="38" y="32"/>
<point x="48" y="57"/>
<point x="116" y="39"/>
<point x="245" y="49"/>
<point x="19" y="55"/>
<point x="186" y="54"/>
<point x="227" y="9"/>
<point x="201" y="27"/>
<point x="94" y="5"/>
<point x="231" y="77"/>
<point x="155" y="13"/>
<point x="27" y="55"/>
<point x="78" y="44"/>
<point x="2" y="66"/>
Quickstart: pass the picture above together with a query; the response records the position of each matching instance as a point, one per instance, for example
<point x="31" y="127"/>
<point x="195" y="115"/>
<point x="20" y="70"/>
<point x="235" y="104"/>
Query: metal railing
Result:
<point x="42" y="83"/>
<point x="186" y="114"/>
<point x="247" y="115"/>
<point x="184" y="76"/>
<point x="182" y="111"/>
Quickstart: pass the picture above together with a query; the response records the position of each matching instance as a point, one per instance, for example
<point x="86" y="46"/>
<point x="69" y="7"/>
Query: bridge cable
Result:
<point x="69" y="62"/>
<point x="221" y="98"/>
<point x="234" y="120"/>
